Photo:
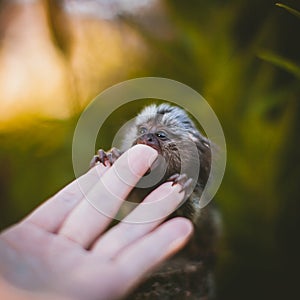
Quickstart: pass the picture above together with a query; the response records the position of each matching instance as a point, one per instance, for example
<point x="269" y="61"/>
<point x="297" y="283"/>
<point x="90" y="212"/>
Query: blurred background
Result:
<point x="242" y="56"/>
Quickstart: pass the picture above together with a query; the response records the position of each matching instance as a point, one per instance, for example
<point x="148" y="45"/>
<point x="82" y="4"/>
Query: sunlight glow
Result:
<point x="37" y="78"/>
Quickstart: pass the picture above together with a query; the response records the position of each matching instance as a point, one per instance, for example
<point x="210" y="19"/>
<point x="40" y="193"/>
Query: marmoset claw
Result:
<point x="181" y="179"/>
<point x="102" y="157"/>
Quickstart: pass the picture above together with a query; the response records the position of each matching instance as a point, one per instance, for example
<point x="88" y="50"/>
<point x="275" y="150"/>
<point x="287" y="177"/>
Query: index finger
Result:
<point x="93" y="214"/>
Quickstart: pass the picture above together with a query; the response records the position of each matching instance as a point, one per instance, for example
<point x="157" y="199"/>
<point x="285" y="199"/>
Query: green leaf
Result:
<point x="281" y="62"/>
<point x="289" y="9"/>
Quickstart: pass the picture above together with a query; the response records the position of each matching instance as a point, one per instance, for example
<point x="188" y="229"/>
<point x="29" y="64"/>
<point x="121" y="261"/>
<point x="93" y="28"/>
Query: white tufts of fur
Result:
<point x="146" y="114"/>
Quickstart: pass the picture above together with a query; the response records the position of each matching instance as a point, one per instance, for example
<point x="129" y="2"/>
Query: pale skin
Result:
<point x="63" y="251"/>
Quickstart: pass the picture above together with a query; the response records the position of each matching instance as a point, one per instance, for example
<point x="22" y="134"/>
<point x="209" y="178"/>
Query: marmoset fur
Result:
<point x="169" y="130"/>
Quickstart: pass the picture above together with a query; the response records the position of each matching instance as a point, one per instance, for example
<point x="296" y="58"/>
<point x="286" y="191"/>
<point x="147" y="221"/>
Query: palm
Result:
<point x="62" y="248"/>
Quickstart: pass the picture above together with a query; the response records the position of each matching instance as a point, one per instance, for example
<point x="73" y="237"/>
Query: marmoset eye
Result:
<point x="161" y="135"/>
<point x="142" y="130"/>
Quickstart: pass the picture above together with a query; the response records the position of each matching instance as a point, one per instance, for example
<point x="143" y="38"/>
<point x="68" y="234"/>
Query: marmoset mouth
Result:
<point x="158" y="168"/>
<point x="147" y="172"/>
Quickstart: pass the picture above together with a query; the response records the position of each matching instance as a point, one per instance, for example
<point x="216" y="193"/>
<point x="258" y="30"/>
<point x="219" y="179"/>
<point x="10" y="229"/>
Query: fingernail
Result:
<point x="140" y="159"/>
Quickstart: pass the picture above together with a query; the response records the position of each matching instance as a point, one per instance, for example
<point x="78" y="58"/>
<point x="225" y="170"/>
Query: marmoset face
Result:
<point x="170" y="131"/>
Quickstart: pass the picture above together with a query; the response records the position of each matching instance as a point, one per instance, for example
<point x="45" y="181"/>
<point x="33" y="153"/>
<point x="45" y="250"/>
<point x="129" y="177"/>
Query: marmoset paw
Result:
<point x="102" y="157"/>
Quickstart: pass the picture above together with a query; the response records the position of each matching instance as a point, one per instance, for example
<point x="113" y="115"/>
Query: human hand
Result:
<point x="62" y="251"/>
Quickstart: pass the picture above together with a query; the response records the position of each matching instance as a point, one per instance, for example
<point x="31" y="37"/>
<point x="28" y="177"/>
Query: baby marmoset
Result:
<point x="170" y="131"/>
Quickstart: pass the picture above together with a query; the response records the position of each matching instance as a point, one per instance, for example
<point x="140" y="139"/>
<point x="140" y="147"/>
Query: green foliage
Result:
<point x="281" y="62"/>
<point x="35" y="163"/>
<point x="289" y="9"/>
<point x="278" y="60"/>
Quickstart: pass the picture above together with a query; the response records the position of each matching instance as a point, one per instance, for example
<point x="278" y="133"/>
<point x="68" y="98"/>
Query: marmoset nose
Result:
<point x="148" y="139"/>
